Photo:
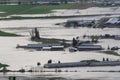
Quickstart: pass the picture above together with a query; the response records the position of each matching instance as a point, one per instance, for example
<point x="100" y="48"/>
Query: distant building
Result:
<point x="4" y="1"/>
<point x="52" y="47"/>
<point x="117" y="37"/>
<point x="45" y="3"/>
<point x="111" y="3"/>
<point x="30" y="2"/>
<point x="85" y="47"/>
<point x="79" y="22"/>
<point x="113" y="22"/>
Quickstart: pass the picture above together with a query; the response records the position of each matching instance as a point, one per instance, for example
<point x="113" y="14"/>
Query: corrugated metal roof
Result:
<point x="57" y="46"/>
<point x="46" y="48"/>
<point x="42" y="45"/>
<point x="90" y="46"/>
<point x="113" y="20"/>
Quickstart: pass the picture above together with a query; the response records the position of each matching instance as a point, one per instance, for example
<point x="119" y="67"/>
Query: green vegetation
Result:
<point x="31" y="9"/>
<point x="3" y="65"/>
<point x="46" y="17"/>
<point x="95" y="37"/>
<point x="106" y="36"/>
<point x="7" y="34"/>
<point x="36" y="37"/>
<point x="111" y="53"/>
<point x="102" y="22"/>
<point x="47" y="40"/>
<point x="53" y="40"/>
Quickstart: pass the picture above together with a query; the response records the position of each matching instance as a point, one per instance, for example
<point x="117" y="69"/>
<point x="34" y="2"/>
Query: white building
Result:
<point x="113" y="21"/>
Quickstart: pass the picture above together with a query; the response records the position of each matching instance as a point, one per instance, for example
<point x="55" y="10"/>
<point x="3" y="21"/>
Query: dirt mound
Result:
<point x="83" y="5"/>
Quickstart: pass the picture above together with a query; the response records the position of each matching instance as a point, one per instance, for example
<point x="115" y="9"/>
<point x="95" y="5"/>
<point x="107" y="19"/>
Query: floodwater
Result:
<point x="20" y="58"/>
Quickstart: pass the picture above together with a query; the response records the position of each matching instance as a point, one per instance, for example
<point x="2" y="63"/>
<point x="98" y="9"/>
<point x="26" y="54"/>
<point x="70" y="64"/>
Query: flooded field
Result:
<point x="20" y="58"/>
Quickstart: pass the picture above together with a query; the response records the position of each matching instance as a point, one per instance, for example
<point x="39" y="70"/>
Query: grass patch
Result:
<point x="53" y="40"/>
<point x="31" y="9"/>
<point x="102" y="22"/>
<point x="7" y="34"/>
<point x="111" y="53"/>
<point x="46" y="17"/>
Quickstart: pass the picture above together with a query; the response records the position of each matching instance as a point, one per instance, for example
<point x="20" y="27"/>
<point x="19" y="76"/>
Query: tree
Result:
<point x="49" y="61"/>
<point x="38" y="64"/>
<point x="19" y="2"/>
<point x="35" y="34"/>
<point x="74" y="42"/>
<point x="66" y="1"/>
<point x="108" y="47"/>
<point x="61" y="1"/>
